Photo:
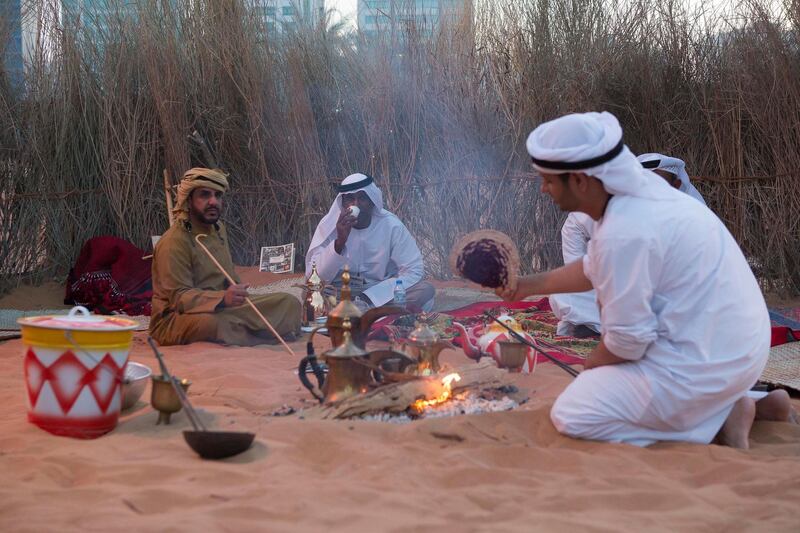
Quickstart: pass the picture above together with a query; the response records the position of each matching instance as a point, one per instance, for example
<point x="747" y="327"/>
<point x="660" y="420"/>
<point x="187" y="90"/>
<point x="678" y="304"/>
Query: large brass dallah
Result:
<point x="349" y="369"/>
<point x="360" y="323"/>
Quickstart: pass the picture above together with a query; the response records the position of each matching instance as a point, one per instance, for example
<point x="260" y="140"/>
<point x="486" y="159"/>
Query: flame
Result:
<point x="446" y="394"/>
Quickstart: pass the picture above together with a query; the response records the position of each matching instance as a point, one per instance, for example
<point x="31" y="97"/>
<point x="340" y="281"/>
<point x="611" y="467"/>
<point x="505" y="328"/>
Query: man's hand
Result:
<point x="343" y="226"/>
<point x="235" y="295"/>
<point x="514" y="294"/>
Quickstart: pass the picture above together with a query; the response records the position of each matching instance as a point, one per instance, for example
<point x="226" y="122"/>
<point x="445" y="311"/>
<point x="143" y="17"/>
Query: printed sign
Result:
<point x="277" y="259"/>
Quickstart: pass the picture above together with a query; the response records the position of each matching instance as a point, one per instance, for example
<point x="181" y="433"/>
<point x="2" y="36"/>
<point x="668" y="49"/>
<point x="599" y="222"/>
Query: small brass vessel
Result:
<point x="512" y="355"/>
<point x="315" y="304"/>
<point x="164" y="399"/>
<point x="424" y="346"/>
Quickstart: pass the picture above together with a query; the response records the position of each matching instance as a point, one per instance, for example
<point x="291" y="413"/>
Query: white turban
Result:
<point x="673" y="165"/>
<point x="350" y="185"/>
<point x="592" y="143"/>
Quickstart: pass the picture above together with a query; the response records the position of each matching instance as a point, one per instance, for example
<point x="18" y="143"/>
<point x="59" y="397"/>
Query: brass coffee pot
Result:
<point x="315" y="304"/>
<point x="424" y="346"/>
<point x="349" y="369"/>
<point x="347" y="310"/>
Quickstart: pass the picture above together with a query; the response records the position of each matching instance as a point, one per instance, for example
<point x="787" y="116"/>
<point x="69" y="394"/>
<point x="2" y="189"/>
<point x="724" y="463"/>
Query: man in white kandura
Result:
<point x="577" y="313"/>
<point x="685" y="330"/>
<point x="673" y="170"/>
<point x="375" y="244"/>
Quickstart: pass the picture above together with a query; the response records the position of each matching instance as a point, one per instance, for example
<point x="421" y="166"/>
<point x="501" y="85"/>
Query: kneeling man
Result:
<point x="376" y="246"/>
<point x="685" y="330"/>
<point x="192" y="299"/>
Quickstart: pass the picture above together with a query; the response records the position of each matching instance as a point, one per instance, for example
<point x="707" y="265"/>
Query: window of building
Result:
<point x="269" y="11"/>
<point x="378" y="4"/>
<point x="287" y="11"/>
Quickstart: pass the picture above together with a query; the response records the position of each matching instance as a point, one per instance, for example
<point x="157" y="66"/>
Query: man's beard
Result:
<point x="209" y="219"/>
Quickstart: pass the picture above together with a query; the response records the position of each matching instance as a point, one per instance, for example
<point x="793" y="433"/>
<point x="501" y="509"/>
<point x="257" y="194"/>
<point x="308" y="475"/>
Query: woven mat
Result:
<point x="783" y="366"/>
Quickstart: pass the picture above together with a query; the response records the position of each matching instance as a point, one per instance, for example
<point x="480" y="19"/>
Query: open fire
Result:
<point x="446" y="394"/>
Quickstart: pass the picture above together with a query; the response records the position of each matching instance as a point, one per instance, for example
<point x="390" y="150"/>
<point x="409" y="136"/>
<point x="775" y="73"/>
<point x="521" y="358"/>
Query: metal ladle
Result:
<point x="207" y="444"/>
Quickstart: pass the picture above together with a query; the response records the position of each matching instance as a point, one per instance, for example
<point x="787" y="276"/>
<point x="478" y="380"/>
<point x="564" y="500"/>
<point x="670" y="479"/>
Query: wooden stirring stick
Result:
<point x="233" y="282"/>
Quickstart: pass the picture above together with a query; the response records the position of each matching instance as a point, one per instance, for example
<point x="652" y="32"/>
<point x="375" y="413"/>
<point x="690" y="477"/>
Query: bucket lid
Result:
<point x="79" y="318"/>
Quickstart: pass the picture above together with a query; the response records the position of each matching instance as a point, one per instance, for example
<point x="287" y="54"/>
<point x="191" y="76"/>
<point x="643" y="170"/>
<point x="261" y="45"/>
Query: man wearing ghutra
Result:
<point x="577" y="313"/>
<point x="375" y="244"/>
<point x="673" y="170"/>
<point x="685" y="330"/>
<point x="192" y="299"/>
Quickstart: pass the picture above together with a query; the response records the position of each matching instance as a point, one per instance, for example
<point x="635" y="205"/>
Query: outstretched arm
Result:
<point x="569" y="278"/>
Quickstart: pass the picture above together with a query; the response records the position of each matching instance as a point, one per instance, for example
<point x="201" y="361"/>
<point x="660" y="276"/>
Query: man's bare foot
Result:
<point x="776" y="406"/>
<point x="736" y="429"/>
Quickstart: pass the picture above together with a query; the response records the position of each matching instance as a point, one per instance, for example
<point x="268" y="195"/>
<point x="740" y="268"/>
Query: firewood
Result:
<point x="398" y="397"/>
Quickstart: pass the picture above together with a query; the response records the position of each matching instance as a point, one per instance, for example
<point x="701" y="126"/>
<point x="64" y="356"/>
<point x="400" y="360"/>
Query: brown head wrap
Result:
<point x="194" y="178"/>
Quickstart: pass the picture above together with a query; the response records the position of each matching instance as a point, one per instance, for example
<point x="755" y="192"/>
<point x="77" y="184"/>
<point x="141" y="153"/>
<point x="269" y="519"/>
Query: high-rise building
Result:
<point x="282" y="15"/>
<point x="377" y="17"/>
<point x="11" y="31"/>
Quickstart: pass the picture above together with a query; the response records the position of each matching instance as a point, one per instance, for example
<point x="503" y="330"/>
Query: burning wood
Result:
<point x="414" y="396"/>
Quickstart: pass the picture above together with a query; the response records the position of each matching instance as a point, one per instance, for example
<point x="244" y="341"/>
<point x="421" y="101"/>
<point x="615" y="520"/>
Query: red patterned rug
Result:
<point x="535" y="317"/>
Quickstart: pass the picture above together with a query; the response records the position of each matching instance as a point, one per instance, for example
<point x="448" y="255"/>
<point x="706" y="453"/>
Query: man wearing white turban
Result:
<point x="673" y="170"/>
<point x="685" y="331"/>
<point x="577" y="312"/>
<point x="375" y="244"/>
<point x="192" y="300"/>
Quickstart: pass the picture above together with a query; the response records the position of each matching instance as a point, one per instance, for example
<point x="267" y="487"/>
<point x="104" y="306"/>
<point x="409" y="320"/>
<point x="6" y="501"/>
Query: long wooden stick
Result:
<point x="233" y="282"/>
<point x="168" y="193"/>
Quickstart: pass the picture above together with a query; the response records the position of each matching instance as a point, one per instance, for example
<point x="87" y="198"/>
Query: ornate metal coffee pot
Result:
<point x="315" y="304"/>
<point x="424" y="346"/>
<point x="360" y="323"/>
<point x="349" y="369"/>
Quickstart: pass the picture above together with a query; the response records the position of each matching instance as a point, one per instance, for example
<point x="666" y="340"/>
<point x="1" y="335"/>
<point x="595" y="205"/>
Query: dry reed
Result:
<point x="440" y="120"/>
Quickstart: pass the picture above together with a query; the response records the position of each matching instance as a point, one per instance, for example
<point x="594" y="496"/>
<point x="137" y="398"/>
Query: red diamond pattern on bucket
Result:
<point x="34" y="375"/>
<point x="67" y="376"/>
<point x="102" y="381"/>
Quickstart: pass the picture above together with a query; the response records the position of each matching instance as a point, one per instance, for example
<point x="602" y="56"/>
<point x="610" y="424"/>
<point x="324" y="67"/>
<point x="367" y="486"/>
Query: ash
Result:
<point x="461" y="404"/>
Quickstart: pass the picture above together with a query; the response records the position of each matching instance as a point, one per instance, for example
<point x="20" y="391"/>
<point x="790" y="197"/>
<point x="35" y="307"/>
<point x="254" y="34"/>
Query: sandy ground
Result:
<point x="495" y="472"/>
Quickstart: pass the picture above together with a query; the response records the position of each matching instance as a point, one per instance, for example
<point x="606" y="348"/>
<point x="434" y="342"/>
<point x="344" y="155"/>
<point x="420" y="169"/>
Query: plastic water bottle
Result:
<point x="399" y="293"/>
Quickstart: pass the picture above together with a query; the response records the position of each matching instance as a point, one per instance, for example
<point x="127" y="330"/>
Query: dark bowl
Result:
<point x="218" y="444"/>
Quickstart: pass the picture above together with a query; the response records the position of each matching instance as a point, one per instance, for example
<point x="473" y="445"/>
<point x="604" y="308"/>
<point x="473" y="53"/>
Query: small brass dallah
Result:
<point x="345" y="310"/>
<point x="424" y="346"/>
<point x="315" y="305"/>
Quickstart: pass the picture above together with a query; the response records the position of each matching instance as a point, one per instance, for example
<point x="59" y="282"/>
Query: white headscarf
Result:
<point x="327" y="226"/>
<point x="676" y="166"/>
<point x="592" y="143"/>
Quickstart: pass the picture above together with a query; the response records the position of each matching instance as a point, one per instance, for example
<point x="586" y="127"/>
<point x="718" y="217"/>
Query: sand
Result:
<point x="496" y="472"/>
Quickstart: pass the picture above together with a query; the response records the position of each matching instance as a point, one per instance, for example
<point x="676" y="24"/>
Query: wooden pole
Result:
<point x="232" y="281"/>
<point x="168" y="194"/>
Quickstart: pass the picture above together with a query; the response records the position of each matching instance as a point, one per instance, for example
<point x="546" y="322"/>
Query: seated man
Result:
<point x="577" y="313"/>
<point x="375" y="245"/>
<point x="685" y="330"/>
<point x="192" y="299"/>
<point x="673" y="170"/>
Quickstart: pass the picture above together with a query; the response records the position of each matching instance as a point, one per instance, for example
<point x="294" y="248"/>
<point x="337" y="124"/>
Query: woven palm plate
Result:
<point x="487" y="257"/>
<point x="783" y="366"/>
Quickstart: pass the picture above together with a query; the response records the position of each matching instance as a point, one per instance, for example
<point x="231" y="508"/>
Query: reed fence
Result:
<point x="440" y="119"/>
